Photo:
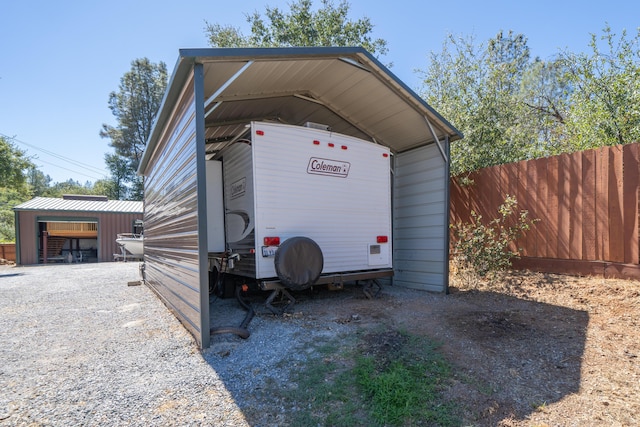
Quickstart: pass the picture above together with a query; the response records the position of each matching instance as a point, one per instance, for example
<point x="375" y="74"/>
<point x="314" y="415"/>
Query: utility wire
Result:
<point x="86" y="166"/>
<point x="70" y="170"/>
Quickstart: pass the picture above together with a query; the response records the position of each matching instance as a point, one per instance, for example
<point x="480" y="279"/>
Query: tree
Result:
<point x="491" y="93"/>
<point x="134" y="107"/>
<point x="546" y="92"/>
<point x="14" y="188"/>
<point x="120" y="175"/>
<point x="13" y="166"/>
<point x="69" y="186"/>
<point x="38" y="182"/>
<point x="328" y="26"/>
<point x="605" y="105"/>
<point x="105" y="187"/>
<point x="9" y="197"/>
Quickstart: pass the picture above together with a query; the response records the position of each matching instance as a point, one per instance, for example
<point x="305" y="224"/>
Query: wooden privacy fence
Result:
<point x="8" y="251"/>
<point x="587" y="204"/>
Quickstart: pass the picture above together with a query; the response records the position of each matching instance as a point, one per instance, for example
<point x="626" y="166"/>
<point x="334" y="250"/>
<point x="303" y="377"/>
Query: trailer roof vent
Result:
<point x="320" y="126"/>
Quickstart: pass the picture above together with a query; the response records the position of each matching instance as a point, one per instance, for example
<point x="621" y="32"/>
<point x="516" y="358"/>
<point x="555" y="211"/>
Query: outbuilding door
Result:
<point x="68" y="241"/>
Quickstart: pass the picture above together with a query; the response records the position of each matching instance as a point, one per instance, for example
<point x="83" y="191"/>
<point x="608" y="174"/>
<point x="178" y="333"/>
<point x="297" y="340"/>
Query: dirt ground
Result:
<point x="530" y="349"/>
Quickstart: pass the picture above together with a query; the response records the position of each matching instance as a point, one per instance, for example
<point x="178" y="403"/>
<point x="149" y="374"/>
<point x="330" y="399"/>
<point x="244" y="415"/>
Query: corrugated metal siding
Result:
<point x="171" y="217"/>
<point x="420" y="220"/>
<point x="109" y="225"/>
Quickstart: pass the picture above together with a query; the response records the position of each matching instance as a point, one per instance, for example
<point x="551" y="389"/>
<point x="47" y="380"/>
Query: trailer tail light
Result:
<point x="382" y="239"/>
<point x="272" y="241"/>
<point x="316" y="142"/>
<point x="260" y="132"/>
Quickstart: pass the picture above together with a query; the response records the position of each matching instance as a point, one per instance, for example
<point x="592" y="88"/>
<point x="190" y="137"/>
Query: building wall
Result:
<point x="421" y="220"/>
<point x="109" y="225"/>
<point x="171" y="251"/>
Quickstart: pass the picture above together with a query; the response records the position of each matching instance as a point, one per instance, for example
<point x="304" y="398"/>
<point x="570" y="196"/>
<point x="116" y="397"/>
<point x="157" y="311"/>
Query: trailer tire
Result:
<point x="299" y="262"/>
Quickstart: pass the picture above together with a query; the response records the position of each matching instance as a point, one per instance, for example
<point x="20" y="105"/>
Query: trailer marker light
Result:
<point x="272" y="241"/>
<point x="260" y="132"/>
<point x="252" y="251"/>
<point x="385" y="155"/>
<point x="331" y="144"/>
<point x="316" y="142"/>
<point x="382" y="239"/>
<point x="344" y="147"/>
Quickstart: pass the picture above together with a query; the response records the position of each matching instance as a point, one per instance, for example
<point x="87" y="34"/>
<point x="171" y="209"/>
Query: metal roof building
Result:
<point x="214" y="94"/>
<point x="72" y="228"/>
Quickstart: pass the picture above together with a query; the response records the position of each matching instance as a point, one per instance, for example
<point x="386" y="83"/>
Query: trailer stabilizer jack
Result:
<point x="371" y="288"/>
<point x="284" y="294"/>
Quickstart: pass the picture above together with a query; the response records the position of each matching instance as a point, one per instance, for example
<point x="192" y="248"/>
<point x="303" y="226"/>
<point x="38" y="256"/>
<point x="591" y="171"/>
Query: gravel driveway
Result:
<point x="80" y="347"/>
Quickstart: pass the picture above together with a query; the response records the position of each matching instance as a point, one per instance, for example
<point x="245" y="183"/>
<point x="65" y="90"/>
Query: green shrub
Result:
<point x="482" y="249"/>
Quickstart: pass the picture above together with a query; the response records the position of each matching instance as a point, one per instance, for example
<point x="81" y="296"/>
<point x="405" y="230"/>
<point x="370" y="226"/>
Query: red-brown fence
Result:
<point x="587" y="203"/>
<point x="8" y="251"/>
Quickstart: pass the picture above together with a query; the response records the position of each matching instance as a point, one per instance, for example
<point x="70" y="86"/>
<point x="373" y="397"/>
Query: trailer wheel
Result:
<point x="298" y="262"/>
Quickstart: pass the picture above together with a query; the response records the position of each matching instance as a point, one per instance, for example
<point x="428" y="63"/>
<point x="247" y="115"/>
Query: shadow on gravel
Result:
<point x="11" y="275"/>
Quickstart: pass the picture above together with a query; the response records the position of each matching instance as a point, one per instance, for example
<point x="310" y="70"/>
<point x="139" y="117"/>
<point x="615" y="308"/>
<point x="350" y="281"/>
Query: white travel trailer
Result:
<point x="302" y="205"/>
<point x="218" y="96"/>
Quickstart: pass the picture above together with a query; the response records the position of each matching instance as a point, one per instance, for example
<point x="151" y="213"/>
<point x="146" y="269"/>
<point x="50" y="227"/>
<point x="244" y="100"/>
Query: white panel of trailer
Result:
<point x="345" y="213"/>
<point x="215" y="207"/>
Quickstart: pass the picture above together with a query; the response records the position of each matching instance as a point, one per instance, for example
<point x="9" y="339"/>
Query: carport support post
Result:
<point x="45" y="245"/>
<point x="447" y="214"/>
<point x="201" y="180"/>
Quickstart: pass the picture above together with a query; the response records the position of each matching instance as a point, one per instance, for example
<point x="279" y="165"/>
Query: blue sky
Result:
<point x="60" y="59"/>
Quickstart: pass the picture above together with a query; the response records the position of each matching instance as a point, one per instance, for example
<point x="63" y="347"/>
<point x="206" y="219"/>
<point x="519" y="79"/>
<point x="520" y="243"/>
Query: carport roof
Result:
<point x="345" y="88"/>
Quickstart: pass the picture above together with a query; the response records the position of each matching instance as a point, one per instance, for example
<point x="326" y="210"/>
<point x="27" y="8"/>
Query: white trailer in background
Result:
<point x="302" y="206"/>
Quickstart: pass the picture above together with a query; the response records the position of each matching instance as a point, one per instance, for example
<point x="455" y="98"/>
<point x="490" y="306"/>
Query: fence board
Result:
<point x="529" y="199"/>
<point x="631" y="184"/>
<point x="616" y="228"/>
<point x="602" y="204"/>
<point x="512" y="189"/>
<point x="552" y="199"/>
<point x="540" y="212"/>
<point x="456" y="193"/>
<point x="564" y="206"/>
<point x="575" y="210"/>
<point x="496" y="195"/>
<point x="589" y="205"/>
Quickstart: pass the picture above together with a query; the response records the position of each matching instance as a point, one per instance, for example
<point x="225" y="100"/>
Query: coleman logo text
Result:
<point x="328" y="167"/>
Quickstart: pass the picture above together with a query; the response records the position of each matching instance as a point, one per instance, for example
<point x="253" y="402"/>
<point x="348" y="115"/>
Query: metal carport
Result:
<point x="211" y="97"/>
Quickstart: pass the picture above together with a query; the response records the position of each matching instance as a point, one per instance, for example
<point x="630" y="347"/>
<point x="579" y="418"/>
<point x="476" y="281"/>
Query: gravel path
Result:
<point x="80" y="347"/>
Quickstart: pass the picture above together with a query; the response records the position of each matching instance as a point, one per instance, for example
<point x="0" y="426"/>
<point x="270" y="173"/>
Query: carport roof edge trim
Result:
<point x="188" y="57"/>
